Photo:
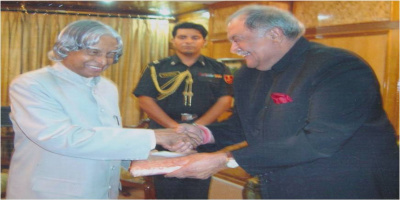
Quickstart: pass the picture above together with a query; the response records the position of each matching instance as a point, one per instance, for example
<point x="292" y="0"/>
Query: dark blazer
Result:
<point x="333" y="140"/>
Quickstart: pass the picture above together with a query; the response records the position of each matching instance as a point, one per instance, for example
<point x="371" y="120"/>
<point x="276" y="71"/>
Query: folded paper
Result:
<point x="162" y="162"/>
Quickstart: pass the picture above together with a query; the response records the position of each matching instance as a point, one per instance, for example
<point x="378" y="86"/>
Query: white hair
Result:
<point x="82" y="34"/>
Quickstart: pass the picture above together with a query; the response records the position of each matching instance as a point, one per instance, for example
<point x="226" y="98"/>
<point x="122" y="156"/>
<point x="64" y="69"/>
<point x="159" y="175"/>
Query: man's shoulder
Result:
<point x="322" y="58"/>
<point x="107" y="84"/>
<point x="161" y="61"/>
<point x="38" y="75"/>
<point x="322" y="51"/>
<point x="106" y="80"/>
<point x="216" y="64"/>
<point x="213" y="60"/>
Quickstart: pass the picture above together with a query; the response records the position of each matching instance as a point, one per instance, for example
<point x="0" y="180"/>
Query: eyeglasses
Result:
<point x="98" y="53"/>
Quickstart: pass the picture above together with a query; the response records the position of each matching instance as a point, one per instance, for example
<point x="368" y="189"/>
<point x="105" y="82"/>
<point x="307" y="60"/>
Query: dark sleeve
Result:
<point x="145" y="86"/>
<point x="226" y="82"/>
<point x="227" y="132"/>
<point x="344" y="96"/>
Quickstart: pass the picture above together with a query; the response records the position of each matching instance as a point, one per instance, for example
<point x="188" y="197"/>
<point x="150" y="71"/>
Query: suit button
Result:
<point x="267" y="177"/>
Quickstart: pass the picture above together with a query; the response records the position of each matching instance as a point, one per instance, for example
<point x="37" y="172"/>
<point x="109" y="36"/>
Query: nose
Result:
<point x="234" y="47"/>
<point x="101" y="59"/>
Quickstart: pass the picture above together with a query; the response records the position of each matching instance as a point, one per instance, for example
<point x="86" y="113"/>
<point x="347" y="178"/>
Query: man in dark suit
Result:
<point x="312" y="116"/>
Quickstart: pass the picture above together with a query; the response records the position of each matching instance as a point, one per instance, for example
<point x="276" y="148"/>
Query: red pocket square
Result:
<point x="280" y="98"/>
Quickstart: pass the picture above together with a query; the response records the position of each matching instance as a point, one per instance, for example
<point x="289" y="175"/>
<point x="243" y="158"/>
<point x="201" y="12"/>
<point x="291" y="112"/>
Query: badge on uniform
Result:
<point x="209" y="75"/>
<point x="228" y="79"/>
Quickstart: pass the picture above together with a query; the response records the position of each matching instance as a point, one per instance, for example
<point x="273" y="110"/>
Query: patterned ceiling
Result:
<point x="120" y="7"/>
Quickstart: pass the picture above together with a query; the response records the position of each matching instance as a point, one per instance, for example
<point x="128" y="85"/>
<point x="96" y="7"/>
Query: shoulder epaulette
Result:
<point x="163" y="60"/>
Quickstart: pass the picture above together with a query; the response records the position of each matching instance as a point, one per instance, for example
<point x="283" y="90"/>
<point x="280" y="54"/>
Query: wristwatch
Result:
<point x="230" y="161"/>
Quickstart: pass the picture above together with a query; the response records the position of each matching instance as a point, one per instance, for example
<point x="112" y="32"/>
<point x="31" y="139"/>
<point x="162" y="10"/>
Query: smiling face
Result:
<point x="258" y="48"/>
<point x="94" y="60"/>
<point x="188" y="41"/>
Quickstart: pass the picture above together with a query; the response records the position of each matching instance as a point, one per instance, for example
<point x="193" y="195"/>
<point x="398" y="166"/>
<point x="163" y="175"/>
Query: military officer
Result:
<point x="184" y="88"/>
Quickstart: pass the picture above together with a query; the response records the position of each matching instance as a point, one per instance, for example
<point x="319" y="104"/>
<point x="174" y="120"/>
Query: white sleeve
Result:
<point x="46" y="120"/>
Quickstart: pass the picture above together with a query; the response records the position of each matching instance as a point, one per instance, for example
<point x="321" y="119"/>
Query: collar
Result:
<point x="62" y="71"/>
<point x="175" y="59"/>
<point x="292" y="55"/>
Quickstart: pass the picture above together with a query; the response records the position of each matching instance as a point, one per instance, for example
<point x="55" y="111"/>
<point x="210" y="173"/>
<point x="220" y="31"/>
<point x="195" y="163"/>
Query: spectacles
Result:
<point x="98" y="53"/>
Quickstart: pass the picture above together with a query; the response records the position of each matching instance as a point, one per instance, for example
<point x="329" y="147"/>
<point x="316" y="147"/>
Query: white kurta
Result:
<point x="68" y="140"/>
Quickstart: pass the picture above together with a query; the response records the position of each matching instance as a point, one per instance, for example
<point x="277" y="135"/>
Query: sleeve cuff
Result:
<point x="153" y="141"/>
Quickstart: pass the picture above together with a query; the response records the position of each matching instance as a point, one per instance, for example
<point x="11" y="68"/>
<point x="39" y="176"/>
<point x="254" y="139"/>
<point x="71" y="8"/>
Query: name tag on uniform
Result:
<point x="168" y="74"/>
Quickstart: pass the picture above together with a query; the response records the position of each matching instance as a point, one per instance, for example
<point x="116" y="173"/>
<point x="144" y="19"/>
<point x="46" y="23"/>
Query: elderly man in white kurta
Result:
<point x="68" y="137"/>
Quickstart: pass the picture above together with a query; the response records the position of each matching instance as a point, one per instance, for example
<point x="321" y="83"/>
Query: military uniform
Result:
<point x="196" y="94"/>
<point x="211" y="80"/>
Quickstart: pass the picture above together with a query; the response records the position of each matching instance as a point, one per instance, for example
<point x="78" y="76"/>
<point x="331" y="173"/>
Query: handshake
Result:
<point x="184" y="138"/>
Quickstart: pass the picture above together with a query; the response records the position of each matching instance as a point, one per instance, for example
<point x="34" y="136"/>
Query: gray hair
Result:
<point x="82" y="34"/>
<point x="264" y="18"/>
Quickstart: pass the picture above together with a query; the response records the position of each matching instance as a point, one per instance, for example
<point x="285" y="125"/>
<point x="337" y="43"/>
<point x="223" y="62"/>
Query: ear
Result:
<point x="276" y="34"/>
<point x="205" y="43"/>
<point x="173" y="42"/>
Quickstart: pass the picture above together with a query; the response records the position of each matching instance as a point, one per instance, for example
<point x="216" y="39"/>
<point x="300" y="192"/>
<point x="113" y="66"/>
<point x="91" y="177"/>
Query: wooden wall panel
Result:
<point x="371" y="47"/>
<point x="327" y="13"/>
<point x="395" y="11"/>
<point x="219" y="16"/>
<point x="391" y="90"/>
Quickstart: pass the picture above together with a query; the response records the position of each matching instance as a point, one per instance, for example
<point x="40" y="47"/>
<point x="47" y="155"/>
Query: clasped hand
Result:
<point x="183" y="139"/>
<point x="199" y="165"/>
<point x="179" y="139"/>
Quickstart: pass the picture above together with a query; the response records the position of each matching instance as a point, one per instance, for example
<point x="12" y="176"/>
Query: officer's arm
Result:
<point x="155" y="112"/>
<point x="223" y="104"/>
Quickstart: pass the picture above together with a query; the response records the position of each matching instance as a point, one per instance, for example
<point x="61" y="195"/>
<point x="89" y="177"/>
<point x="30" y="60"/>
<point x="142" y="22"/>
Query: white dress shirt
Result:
<point x="68" y="137"/>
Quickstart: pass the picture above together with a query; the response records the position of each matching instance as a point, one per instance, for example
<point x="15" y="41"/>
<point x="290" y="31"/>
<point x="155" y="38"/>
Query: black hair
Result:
<point x="190" y="25"/>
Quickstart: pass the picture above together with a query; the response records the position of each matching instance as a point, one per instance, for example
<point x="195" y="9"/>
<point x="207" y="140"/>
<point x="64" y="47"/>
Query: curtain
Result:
<point x="26" y="39"/>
